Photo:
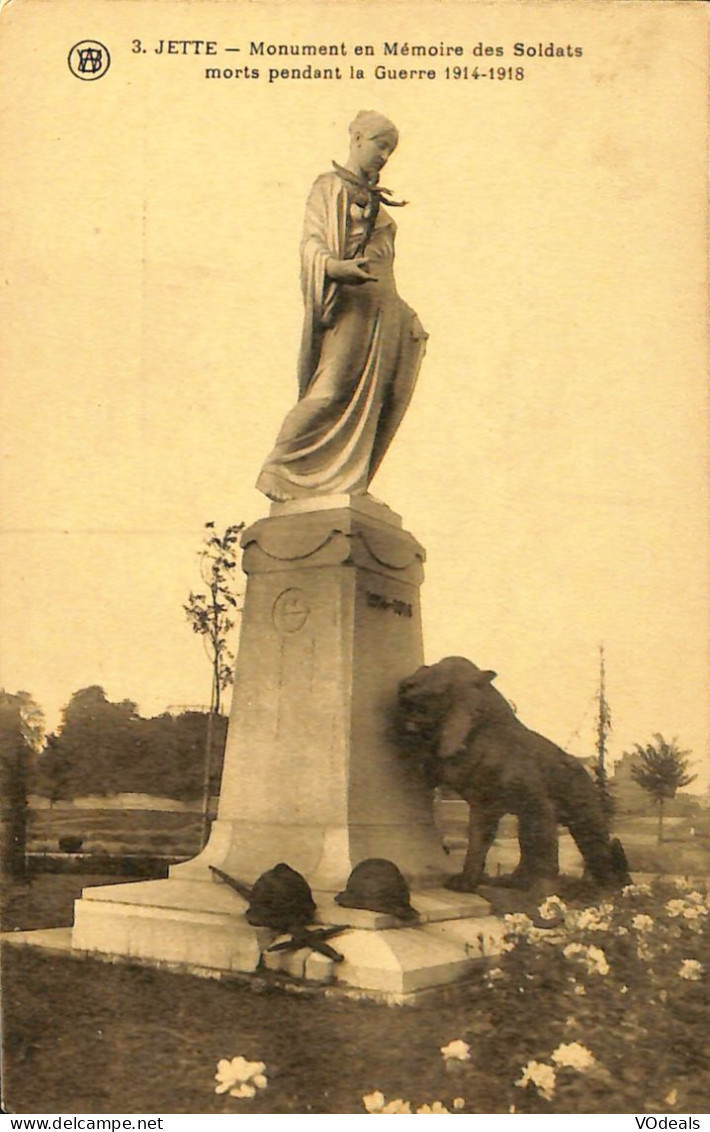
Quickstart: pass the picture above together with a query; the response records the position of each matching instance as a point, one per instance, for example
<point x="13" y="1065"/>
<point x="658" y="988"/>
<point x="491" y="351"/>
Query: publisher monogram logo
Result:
<point x="89" y="60"/>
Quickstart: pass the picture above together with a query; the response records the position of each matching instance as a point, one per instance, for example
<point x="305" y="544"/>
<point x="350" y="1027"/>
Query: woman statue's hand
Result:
<point x="349" y="271"/>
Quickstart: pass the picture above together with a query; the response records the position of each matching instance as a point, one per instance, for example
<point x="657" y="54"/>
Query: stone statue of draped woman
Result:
<point x="362" y="345"/>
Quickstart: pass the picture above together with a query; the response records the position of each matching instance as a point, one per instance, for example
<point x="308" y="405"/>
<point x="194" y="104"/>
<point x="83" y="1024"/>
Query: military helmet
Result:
<point x="280" y="898"/>
<point x="378" y="885"/>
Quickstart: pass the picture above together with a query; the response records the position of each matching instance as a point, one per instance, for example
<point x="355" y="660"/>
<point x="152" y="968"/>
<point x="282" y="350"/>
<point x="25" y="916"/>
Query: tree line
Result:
<point x="106" y="748"/>
<point x="101" y="747"/>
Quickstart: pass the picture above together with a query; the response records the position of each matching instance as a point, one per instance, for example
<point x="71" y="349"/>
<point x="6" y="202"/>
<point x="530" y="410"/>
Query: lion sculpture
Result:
<point x="471" y="741"/>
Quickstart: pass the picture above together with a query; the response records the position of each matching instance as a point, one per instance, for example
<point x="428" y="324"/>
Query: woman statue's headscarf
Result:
<point x="372" y="125"/>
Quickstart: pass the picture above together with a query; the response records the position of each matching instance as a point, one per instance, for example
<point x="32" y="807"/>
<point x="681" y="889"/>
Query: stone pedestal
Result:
<point x="200" y="927"/>
<point x="331" y="624"/>
<point x="312" y="775"/>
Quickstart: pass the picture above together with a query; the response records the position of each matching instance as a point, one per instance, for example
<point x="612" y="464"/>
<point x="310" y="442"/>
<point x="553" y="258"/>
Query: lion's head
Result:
<point x="441" y="705"/>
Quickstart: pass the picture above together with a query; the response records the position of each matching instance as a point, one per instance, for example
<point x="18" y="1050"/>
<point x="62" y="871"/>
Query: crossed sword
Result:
<point x="315" y="938"/>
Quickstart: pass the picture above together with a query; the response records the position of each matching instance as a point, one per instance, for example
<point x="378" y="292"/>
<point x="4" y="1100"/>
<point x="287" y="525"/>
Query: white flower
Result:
<point x="691" y="908"/>
<point x="643" y="951"/>
<point x="573" y="1055"/>
<point x="552" y="908"/>
<point x="456" y="1051"/>
<point x="517" y="923"/>
<point x="696" y="897"/>
<point x="691" y="970"/>
<point x="592" y="919"/>
<point x="675" y="907"/>
<point x="694" y="911"/>
<point x="458" y="1102"/>
<point x="239" y="1077"/>
<point x="540" y="1075"/>
<point x="518" y="926"/>
<point x="624" y="989"/>
<point x="642" y="923"/>
<point x="580" y="989"/>
<point x="495" y="973"/>
<point x="593" y="958"/>
<point x="636" y="890"/>
<point x="398" y="1106"/>
<point x="244" y="1092"/>
<point x="436" y="1107"/>
<point x="672" y="1097"/>
<point x="597" y="961"/>
<point x="376" y="1105"/>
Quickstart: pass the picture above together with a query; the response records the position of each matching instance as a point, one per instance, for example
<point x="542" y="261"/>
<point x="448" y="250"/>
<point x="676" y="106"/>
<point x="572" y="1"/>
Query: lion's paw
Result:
<point x="459" y="883"/>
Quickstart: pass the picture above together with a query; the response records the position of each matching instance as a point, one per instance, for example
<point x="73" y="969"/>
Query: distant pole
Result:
<point x="604" y="716"/>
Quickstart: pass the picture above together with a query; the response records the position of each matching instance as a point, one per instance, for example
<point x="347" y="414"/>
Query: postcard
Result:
<point x="520" y="394"/>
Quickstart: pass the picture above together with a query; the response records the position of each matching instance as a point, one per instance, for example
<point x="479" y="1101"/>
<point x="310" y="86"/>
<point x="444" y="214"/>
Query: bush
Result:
<point x="604" y="1008"/>
<point x="599" y="1009"/>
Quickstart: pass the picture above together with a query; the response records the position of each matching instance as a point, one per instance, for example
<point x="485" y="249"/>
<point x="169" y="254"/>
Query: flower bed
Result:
<point x="592" y="1009"/>
<point x="601" y="1008"/>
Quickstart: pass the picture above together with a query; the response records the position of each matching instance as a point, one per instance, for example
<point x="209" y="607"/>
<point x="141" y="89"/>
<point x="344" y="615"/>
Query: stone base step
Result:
<point x="201" y="925"/>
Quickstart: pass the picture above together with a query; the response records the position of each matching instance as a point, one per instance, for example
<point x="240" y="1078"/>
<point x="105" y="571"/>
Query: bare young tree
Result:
<point x="661" y="771"/>
<point x="211" y="615"/>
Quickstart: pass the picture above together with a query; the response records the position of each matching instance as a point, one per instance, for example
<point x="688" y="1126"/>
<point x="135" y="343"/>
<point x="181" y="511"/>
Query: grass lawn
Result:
<point x="89" y="1037"/>
<point x="677" y="855"/>
<point x="179" y="834"/>
<point x="598" y="1010"/>
<point x="117" y="831"/>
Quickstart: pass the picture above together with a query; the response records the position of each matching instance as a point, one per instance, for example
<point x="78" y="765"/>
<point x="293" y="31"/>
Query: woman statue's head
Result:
<point x="373" y="139"/>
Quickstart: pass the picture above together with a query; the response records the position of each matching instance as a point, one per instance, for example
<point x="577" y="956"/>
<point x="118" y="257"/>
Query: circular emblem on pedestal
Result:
<point x="291" y="611"/>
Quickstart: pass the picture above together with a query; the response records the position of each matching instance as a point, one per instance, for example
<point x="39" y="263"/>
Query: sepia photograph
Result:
<point x="354" y="675"/>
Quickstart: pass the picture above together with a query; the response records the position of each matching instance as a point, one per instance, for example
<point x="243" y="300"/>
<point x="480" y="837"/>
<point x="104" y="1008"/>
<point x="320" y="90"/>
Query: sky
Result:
<point x="554" y="458"/>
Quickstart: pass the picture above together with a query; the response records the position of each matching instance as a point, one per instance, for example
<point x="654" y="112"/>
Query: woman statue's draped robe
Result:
<point x="360" y="354"/>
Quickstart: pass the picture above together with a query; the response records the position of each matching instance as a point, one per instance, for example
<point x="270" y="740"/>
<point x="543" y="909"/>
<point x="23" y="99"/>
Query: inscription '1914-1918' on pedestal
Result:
<point x="377" y="601"/>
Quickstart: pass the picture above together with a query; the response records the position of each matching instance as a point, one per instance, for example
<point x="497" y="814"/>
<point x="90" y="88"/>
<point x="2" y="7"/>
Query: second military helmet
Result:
<point x="377" y="885"/>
